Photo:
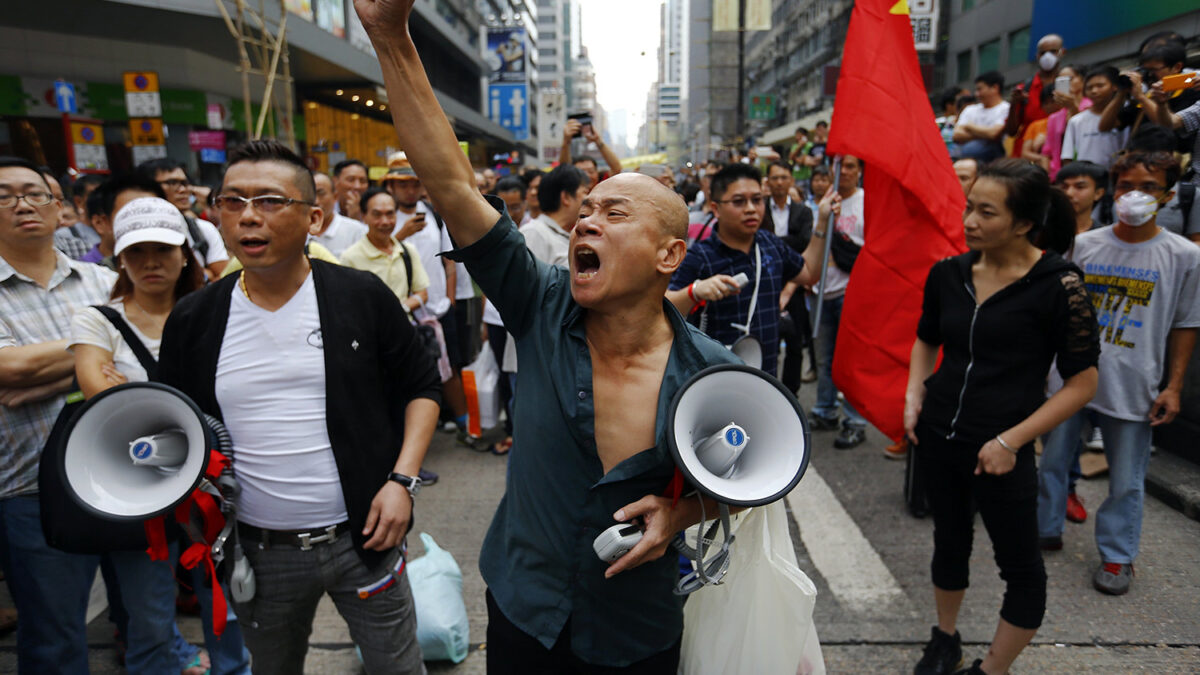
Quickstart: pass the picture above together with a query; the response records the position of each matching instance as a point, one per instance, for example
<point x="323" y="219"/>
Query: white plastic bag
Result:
<point x="481" y="384"/>
<point x="759" y="621"/>
<point x="442" y="627"/>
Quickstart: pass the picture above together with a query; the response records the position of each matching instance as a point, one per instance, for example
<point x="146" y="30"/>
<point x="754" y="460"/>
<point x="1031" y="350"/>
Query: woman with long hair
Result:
<point x="1001" y="314"/>
<point x="156" y="268"/>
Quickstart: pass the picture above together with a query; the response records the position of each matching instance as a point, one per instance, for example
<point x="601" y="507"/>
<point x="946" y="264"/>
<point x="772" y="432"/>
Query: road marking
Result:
<point x="854" y="571"/>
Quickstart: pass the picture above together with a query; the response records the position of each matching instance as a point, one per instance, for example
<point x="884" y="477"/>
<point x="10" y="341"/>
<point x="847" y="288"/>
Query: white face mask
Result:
<point x="1048" y="60"/>
<point x="1136" y="208"/>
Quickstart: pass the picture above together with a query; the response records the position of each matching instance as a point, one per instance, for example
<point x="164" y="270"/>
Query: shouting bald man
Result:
<point x="602" y="354"/>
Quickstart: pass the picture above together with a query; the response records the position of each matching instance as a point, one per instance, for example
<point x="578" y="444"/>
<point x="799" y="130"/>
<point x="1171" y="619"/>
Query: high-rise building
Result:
<point x="711" y="64"/>
<point x="665" y="103"/>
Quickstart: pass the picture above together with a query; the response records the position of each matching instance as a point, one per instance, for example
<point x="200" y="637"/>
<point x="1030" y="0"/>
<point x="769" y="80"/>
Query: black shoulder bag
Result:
<point x="65" y="524"/>
<point x="843" y="251"/>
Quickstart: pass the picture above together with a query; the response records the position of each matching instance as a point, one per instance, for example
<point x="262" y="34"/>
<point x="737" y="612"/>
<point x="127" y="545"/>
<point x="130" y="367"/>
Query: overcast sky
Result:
<point x="622" y="40"/>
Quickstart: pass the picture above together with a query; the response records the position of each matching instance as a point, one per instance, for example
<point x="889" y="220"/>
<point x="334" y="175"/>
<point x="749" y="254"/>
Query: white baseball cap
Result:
<point x="148" y="219"/>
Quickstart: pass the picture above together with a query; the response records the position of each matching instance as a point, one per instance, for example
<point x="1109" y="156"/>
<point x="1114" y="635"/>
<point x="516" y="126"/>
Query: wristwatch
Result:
<point x="410" y="483"/>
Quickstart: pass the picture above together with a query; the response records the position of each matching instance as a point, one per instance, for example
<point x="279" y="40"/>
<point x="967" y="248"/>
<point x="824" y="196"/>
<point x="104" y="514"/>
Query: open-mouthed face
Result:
<point x="627" y="241"/>
<point x="262" y="237"/>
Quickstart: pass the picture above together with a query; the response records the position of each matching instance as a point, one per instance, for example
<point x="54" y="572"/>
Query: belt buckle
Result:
<point x="307" y="540"/>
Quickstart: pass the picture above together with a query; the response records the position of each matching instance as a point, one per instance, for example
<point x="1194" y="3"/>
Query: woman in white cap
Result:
<point x="155" y="267"/>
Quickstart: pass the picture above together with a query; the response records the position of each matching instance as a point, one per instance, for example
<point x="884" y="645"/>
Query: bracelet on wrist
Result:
<point x="691" y="293"/>
<point x="818" y="234"/>
<point x="1005" y="445"/>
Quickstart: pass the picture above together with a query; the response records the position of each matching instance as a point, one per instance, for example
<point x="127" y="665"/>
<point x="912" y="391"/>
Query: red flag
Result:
<point x="912" y="207"/>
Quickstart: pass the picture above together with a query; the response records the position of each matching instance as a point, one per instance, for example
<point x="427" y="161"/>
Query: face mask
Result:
<point x="1048" y="60"/>
<point x="1136" y="208"/>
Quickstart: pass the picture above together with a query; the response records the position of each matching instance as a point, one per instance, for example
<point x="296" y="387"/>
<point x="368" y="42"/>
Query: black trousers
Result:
<point x="798" y="335"/>
<point x="511" y="651"/>
<point x="497" y="340"/>
<point x="1008" y="507"/>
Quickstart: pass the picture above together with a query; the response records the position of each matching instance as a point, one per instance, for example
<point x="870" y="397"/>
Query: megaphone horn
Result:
<point x="135" y="451"/>
<point x="738" y="435"/>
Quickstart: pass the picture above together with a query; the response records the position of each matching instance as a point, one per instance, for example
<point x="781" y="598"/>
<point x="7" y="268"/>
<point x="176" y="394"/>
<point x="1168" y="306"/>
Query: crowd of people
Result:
<point x="326" y="320"/>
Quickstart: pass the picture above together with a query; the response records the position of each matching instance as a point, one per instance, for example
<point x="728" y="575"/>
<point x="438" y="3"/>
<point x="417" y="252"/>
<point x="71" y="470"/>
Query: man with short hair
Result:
<point x="849" y="228"/>
<point x="966" y="169"/>
<point x="1145" y="285"/>
<point x="64" y="238"/>
<point x="741" y="244"/>
<point x="349" y="182"/>
<point x="792" y="222"/>
<point x="40" y="290"/>
<point x="489" y="181"/>
<point x="331" y="404"/>
<point x="420" y="226"/>
<point x="1161" y="55"/>
<point x="512" y="192"/>
<point x="802" y="163"/>
<point x="1084" y="139"/>
<point x="980" y="126"/>
<point x="396" y="263"/>
<point x="560" y="195"/>
<point x="602" y="354"/>
<point x="1026" y="105"/>
<point x="336" y="232"/>
<point x="1084" y="183"/>
<point x="203" y="236"/>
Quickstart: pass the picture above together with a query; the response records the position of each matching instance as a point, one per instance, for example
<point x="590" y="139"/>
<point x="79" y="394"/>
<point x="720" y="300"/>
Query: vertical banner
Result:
<point x="552" y="117"/>
<point x="508" y="89"/>
<point x="725" y="15"/>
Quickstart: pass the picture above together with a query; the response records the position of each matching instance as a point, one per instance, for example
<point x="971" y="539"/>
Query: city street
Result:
<point x="869" y="560"/>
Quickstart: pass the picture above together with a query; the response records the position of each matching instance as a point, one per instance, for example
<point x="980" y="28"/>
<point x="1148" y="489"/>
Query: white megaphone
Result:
<point x="749" y="350"/>
<point x="740" y="437"/>
<point x="136" y="451"/>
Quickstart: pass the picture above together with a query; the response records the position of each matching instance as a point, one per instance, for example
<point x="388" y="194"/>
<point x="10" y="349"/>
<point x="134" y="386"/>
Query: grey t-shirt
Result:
<point x="1141" y="292"/>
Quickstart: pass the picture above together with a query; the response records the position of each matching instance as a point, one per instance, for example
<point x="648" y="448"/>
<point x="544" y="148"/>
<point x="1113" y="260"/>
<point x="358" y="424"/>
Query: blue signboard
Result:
<point x="64" y="96"/>
<point x="508" y="106"/>
<point x="212" y="156"/>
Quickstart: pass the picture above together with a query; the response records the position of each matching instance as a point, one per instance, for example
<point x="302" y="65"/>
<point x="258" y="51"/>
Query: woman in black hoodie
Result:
<point x="1001" y="313"/>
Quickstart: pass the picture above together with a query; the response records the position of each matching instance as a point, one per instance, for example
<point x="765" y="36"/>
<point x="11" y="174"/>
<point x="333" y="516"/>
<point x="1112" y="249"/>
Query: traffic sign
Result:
<point x="87" y="146"/>
<point x="141" y="94"/>
<point x="146" y="131"/>
<point x="508" y="106"/>
<point x="762" y="107"/>
<point x="64" y="97"/>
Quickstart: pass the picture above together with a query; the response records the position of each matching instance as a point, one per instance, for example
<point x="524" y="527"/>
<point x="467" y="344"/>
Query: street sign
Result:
<point x="141" y="94"/>
<point x="923" y="15"/>
<point x="87" y="145"/>
<point x="761" y="107"/>
<point x="508" y="106"/>
<point x="212" y="156"/>
<point x="64" y="96"/>
<point x="552" y="116"/>
<point x="145" y="153"/>
<point x="146" y="131"/>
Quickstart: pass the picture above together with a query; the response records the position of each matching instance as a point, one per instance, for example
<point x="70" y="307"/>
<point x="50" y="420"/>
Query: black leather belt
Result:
<point x="301" y="539"/>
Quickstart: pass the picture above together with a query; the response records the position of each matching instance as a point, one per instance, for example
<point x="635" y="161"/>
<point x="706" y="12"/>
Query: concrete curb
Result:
<point x="1176" y="482"/>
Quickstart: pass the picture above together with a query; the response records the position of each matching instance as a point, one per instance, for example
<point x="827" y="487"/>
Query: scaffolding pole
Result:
<point x="261" y="51"/>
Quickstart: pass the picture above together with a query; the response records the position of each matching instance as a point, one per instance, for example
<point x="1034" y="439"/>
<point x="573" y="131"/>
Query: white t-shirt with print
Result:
<point x="850" y="223"/>
<point x="270" y="385"/>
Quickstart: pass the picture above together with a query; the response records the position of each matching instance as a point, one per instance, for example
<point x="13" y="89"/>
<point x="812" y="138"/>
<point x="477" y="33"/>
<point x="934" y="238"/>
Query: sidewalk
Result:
<point x="1176" y="482"/>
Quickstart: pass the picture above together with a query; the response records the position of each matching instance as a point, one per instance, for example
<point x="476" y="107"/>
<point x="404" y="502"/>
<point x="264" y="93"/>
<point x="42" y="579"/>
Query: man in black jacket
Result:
<point x="793" y="223"/>
<point x="331" y="403"/>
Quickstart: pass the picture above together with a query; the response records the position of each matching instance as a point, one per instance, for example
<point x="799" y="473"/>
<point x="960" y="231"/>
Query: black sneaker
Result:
<point x="822" y="423"/>
<point x="427" y="477"/>
<point x="973" y="670"/>
<point x="850" y="437"/>
<point x="1050" y="543"/>
<point x="943" y="654"/>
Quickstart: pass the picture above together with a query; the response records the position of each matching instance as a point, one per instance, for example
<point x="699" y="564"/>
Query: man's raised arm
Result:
<point x="421" y="127"/>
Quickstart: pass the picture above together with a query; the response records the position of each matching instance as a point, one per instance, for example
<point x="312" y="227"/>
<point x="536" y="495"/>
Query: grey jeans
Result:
<point x="277" y="622"/>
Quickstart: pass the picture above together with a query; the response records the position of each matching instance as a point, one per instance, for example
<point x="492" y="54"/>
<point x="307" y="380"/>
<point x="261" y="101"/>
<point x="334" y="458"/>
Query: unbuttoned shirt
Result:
<point x="537" y="557"/>
<point x="780" y="263"/>
<point x="30" y="314"/>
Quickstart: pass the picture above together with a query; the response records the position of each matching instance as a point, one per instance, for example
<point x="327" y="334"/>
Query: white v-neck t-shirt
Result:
<point x="270" y="385"/>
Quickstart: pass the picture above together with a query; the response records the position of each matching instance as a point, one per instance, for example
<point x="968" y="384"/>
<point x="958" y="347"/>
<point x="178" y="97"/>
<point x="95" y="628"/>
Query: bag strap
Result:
<point x="197" y="236"/>
<point x="1187" y="195"/>
<point x="139" y="348"/>
<point x="407" y="265"/>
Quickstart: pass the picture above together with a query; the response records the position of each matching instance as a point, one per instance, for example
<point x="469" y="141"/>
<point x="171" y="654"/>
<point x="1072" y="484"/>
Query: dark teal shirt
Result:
<point x="537" y="557"/>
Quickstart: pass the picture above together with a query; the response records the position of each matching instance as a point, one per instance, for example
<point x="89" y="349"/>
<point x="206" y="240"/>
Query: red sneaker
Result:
<point x="1075" y="511"/>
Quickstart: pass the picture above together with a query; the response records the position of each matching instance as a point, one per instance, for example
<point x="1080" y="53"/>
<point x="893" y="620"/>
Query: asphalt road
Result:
<point x="869" y="560"/>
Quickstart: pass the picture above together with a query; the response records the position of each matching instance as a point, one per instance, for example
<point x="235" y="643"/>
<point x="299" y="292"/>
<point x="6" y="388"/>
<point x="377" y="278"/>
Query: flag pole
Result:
<point x="837" y="178"/>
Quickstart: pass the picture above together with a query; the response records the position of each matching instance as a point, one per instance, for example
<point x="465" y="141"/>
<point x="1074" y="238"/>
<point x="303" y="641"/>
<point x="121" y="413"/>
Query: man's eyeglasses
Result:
<point x="174" y="183"/>
<point x="740" y="202"/>
<point x="1148" y="188"/>
<point x="35" y="198"/>
<point x="261" y="203"/>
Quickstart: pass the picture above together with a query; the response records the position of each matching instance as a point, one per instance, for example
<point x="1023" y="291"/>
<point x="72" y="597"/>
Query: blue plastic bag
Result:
<point x="442" y="627"/>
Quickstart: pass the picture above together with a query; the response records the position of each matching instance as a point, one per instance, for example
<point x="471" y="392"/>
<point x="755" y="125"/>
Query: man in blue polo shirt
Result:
<point x="602" y="354"/>
<point x="740" y="245"/>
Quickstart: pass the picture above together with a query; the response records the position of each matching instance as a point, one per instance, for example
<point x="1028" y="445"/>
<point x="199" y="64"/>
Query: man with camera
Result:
<point x="581" y="125"/>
